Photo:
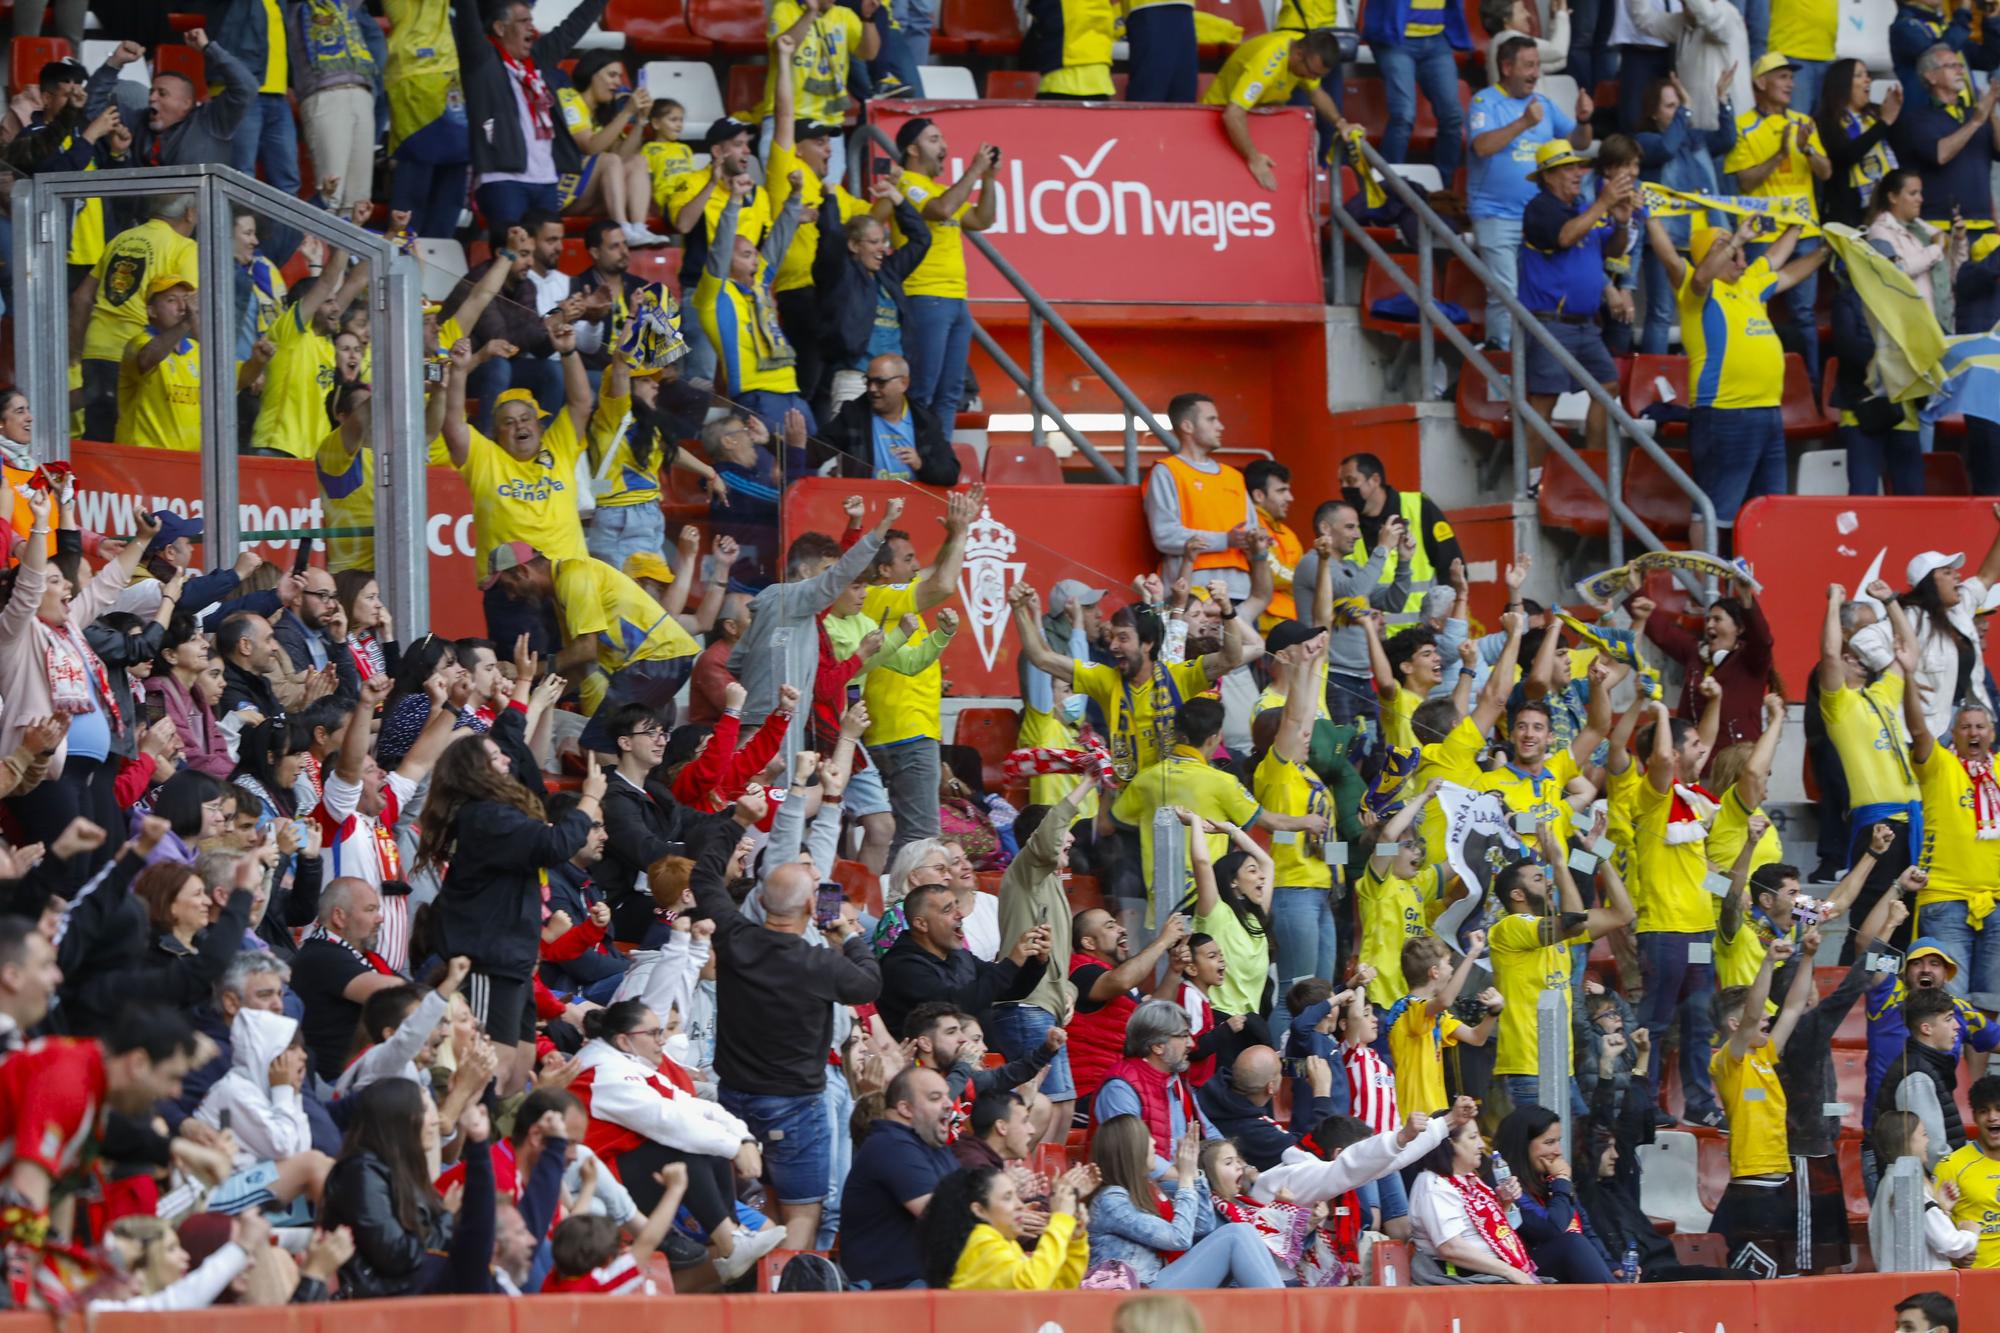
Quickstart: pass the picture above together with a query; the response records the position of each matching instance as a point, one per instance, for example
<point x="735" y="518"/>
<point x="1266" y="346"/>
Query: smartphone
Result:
<point x="303" y="560"/>
<point x="826" y="907"/>
<point x="156" y="708"/>
<point x="1042" y="917"/>
<point x="222" y="1120"/>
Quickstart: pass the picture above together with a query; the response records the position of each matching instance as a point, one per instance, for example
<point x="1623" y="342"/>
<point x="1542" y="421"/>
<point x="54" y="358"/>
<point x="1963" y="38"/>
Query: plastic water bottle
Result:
<point x="1629" y="1268"/>
<point x="1502" y="1174"/>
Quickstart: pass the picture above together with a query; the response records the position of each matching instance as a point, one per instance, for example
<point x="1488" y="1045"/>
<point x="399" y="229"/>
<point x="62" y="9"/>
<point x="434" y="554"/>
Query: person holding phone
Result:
<point x="938" y="339"/>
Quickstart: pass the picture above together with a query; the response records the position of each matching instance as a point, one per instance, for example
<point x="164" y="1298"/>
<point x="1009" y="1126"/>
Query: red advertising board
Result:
<point x="1798" y="544"/>
<point x="1136" y="204"/>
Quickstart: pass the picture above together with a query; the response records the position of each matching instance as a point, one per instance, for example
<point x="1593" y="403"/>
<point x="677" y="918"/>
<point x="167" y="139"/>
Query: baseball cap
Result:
<point x="1289" y="634"/>
<point x="803" y="130"/>
<point x="520" y="396"/>
<point x="506" y="556"/>
<point x="1772" y="60"/>
<point x="911" y="128"/>
<point x="648" y="565"/>
<point x="166" y="282"/>
<point x="1702" y="240"/>
<point x="1923" y="565"/>
<point x="1073" y="590"/>
<point x="173" y="527"/>
<point x="726" y="129"/>
<point x="1556" y="153"/>
<point x="1926" y="946"/>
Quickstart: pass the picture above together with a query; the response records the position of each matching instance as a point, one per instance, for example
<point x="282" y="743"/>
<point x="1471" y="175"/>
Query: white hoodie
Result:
<point x="621" y="1091"/>
<point x="269" y="1123"/>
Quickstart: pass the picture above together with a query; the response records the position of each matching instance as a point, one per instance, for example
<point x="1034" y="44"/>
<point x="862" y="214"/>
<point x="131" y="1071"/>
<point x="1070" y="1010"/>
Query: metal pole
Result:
<point x="1614" y="482"/>
<point x="402" y="508"/>
<point x="1426" y="312"/>
<point x="1552" y="1074"/>
<point x="1036" y="370"/>
<point x="41" y="313"/>
<point x="214" y="225"/>
<point x="1040" y="403"/>
<point x="1902" y="1194"/>
<point x="1170" y="860"/>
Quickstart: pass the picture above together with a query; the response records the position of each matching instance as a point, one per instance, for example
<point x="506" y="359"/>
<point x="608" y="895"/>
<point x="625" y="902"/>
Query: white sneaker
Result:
<point x="750" y="1247"/>
<point x="642" y="236"/>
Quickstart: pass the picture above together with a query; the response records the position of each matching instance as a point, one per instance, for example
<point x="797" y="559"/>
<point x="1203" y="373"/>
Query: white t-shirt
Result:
<point x="982" y="927"/>
<point x="1437" y="1213"/>
<point x="354" y="847"/>
<point x="541" y="159"/>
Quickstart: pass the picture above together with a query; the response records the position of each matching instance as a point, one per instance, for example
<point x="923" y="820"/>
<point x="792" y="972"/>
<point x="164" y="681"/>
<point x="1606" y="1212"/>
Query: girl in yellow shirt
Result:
<point x="972" y="1234"/>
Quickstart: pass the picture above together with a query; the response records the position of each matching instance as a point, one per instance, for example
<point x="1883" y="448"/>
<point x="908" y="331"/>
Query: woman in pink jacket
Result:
<point x="184" y="655"/>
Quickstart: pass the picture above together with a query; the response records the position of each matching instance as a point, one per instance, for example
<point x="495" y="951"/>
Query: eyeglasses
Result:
<point x="881" y="381"/>
<point x="655" y="1033"/>
<point x="322" y="596"/>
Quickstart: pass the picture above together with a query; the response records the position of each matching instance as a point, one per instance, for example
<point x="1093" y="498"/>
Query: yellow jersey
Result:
<point x="1041" y="730"/>
<point x="942" y="272"/>
<point x="421" y="77"/>
<point x="126" y="268"/>
<point x="819" y="62"/>
<point x="532" y="500"/>
<point x="1453" y="759"/>
<point x="1184" y="778"/>
<point x="1257" y="73"/>
<point x="795" y="268"/>
<point x="1963" y="866"/>
<point x="1866" y="728"/>
<point x="1416" y="1047"/>
<point x="1672" y="866"/>
<point x="1396" y="714"/>
<point x="1089" y="29"/>
<point x="753" y="215"/>
<point x="1731" y="829"/>
<point x="1757" y="138"/>
<point x="1140" y="718"/>
<point x="160" y="409"/>
<point x="293" y="418"/>
<point x="1394" y="911"/>
<point x="666" y="162"/>
<point x="1803" y="29"/>
<point x="743" y="328"/>
<point x="900" y="708"/>
<point x="1524" y="967"/>
<point x="1978" y="1179"/>
<point x="1754" y="1100"/>
<point x="1537" y="794"/>
<point x="599" y="601"/>
<point x="1734" y="356"/>
<point x="1298" y="859"/>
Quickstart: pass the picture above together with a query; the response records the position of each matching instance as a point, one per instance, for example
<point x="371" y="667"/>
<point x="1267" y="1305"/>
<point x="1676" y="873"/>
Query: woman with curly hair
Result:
<point x="490" y="840"/>
<point x="971" y="1234"/>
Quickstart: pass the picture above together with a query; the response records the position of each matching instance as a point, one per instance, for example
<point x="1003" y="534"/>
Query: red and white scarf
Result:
<point x="534" y="91"/>
<point x="1489" y="1219"/>
<point x="1041" y="762"/>
<point x="73" y="668"/>
<point x="1687" y="819"/>
<point x="1985" y="796"/>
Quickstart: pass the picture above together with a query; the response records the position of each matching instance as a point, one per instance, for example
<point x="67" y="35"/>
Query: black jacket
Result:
<point x="1260" y="1139"/>
<point x="388" y="1258"/>
<point x="850" y="436"/>
<point x="296" y="638"/>
<point x="120" y="653"/>
<point x="489" y="907"/>
<point x="492" y="105"/>
<point x="573" y="891"/>
<point x="1941" y="1068"/>
<point x="108" y="961"/>
<point x="242" y="688"/>
<point x="848" y="292"/>
<point x="640" y="827"/>
<point x="910" y="976"/>
<point x="778" y="989"/>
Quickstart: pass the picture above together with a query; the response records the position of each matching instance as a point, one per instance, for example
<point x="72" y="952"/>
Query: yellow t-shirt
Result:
<point x="1524" y="967"/>
<point x="1049" y="731"/>
<point x="1454" y="760"/>
<point x="1734" y="356"/>
<point x="124" y="271"/>
<point x="1731" y="829"/>
<point x="900" y="708"/>
<point x="1540" y="796"/>
<point x="1866" y="728"/>
<point x="795" y="269"/>
<point x="532" y="501"/>
<point x="1396" y="715"/>
<point x="422" y="74"/>
<point x="666" y="161"/>
<point x="942" y="272"/>
<point x="293" y="418"/>
<point x="820" y="62"/>
<point x="1963" y="867"/>
<point x="1257" y="73"/>
<point x="1186" y="779"/>
<point x="1754" y="1100"/>
<point x="1978" y="1179"/>
<point x="347" y="496"/>
<point x="1621" y="799"/>
<point x="1140" y="718"/>
<point x="629" y="626"/>
<point x="277" y="70"/>
<point x="753" y="215"/>
<point x="1672" y="866"/>
<point x="1298" y="859"/>
<point x="1416" y="1047"/>
<point x="1394" y="911"/>
<point x="161" y="409"/>
<point x="1803" y="29"/>
<point x="1757" y="138"/>
<point x="1738" y="957"/>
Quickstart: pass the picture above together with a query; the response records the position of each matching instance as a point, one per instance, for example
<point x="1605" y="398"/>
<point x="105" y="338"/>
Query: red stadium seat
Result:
<point x="1701" y="1250"/>
<point x="187" y="62"/>
<point x="1804" y="420"/>
<point x="1642" y="390"/>
<point x="744" y="90"/>
<point x="1945" y="474"/>
<point x="187" y="22"/>
<point x="968" y="461"/>
<point x="988" y="27"/>
<point x="660" y="264"/>
<point x="28" y="55"/>
<point x="1084" y="893"/>
<point x="1652" y="495"/>
<point x="1463" y="287"/>
<point x="1366" y="102"/>
<point x="735" y="26"/>
<point x="655" y="28"/>
<point x="1023" y="465"/>
<point x="1377" y="285"/>
<point x="1049" y="1159"/>
<point x="575" y="257"/>
<point x="1712" y="1169"/>
<point x="1478" y="409"/>
<point x="993" y="732"/>
<point x="1012" y="85"/>
<point x="1245" y="14"/>
<point x="1567" y="501"/>
<point x="1852" y="1186"/>
<point x="1391" y="1261"/>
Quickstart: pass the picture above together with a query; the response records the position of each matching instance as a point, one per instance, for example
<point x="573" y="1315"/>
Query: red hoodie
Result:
<point x="721" y="773"/>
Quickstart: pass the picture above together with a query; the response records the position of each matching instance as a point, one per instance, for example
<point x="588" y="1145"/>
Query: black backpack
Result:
<point x="811" y="1272"/>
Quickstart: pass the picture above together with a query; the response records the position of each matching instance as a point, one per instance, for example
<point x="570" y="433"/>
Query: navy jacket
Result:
<point x="847" y="291"/>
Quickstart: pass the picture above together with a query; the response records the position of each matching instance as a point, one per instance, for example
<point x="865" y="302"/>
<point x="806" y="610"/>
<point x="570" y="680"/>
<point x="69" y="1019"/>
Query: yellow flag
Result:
<point x="1909" y="344"/>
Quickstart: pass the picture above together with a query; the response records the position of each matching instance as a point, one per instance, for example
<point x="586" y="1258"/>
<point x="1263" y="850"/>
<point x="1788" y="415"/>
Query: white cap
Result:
<point x="1923" y="565"/>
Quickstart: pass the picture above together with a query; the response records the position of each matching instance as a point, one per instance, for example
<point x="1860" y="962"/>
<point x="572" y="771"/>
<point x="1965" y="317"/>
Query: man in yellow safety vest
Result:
<point x="1365" y="485"/>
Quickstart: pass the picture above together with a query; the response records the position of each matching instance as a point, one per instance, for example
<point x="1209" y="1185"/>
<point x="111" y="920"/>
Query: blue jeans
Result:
<point x="937" y="344"/>
<point x="1428" y="63"/>
<point x="1231" y="1255"/>
<point x="1166" y="59"/>
<point x="1757" y="18"/>
<point x="1017" y="1029"/>
<point x="621" y="531"/>
<point x="1590" y="55"/>
<point x="1499" y="243"/>
<point x="431" y="171"/>
<point x="1660" y="304"/>
<point x="795" y="1137"/>
<point x="1675" y="985"/>
<point x="1386" y="1196"/>
<point x="1798" y="302"/>
<point x="1525" y="1090"/>
<point x="268" y="134"/>
<point x="1806" y="83"/>
<point x="1976" y="952"/>
<point x="508" y="201"/>
<point x="1898" y="454"/>
<point x="1306" y="944"/>
<point x="838" y="1102"/>
<point x="1738" y="453"/>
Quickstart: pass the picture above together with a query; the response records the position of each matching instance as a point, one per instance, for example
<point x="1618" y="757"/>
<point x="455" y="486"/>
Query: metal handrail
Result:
<point x="1610" y="487"/>
<point x="1031" y="383"/>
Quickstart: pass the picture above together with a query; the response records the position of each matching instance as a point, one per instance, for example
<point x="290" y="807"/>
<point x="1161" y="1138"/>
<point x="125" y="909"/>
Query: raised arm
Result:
<point x="961" y="507"/>
<point x="1399" y="824"/>
<point x="457" y="429"/>
<point x="1831" y="642"/>
<point x="1737" y="902"/>
<point x="1798" y="995"/>
<point x="1492" y="701"/>
<point x="1755" y="782"/>
<point x="1752" y="1015"/>
<point x="1660" y="763"/>
<point x="1027" y="607"/>
<point x="1206" y="896"/>
<point x="1596" y="715"/>
<point x="1922" y="742"/>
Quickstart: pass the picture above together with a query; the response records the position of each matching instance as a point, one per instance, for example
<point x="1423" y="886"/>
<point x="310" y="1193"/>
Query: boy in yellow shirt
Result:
<point x="1421" y="1024"/>
<point x="1760" y="1208"/>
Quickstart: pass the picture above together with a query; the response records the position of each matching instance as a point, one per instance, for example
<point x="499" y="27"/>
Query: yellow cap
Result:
<point x="1702" y="240"/>
<point x="1984" y="246"/>
<point x="1556" y="153"/>
<point x="648" y="565"/>
<point x="166" y="283"/>
<point x="1772" y="60"/>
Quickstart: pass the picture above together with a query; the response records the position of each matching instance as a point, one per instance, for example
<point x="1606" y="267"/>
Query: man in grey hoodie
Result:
<point x="1350" y="683"/>
<point x="781" y="647"/>
<point x="175" y="130"/>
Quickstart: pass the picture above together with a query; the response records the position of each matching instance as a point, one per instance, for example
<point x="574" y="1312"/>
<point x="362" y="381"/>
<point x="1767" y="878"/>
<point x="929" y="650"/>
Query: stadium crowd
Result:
<point x="338" y="965"/>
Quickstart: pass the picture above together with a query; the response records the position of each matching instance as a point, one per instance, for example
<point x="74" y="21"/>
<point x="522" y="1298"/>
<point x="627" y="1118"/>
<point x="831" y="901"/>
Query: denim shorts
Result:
<point x="1585" y="342"/>
<point x="865" y="793"/>
<point x="792" y="1132"/>
<point x="1016" y="1029"/>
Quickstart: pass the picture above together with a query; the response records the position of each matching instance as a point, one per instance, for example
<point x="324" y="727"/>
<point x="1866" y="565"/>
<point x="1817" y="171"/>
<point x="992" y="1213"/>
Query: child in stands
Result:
<point x="587" y="1253"/>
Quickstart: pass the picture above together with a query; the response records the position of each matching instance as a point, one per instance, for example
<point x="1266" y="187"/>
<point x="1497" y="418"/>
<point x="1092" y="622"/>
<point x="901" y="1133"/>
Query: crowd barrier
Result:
<point x="1823" y="1305"/>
